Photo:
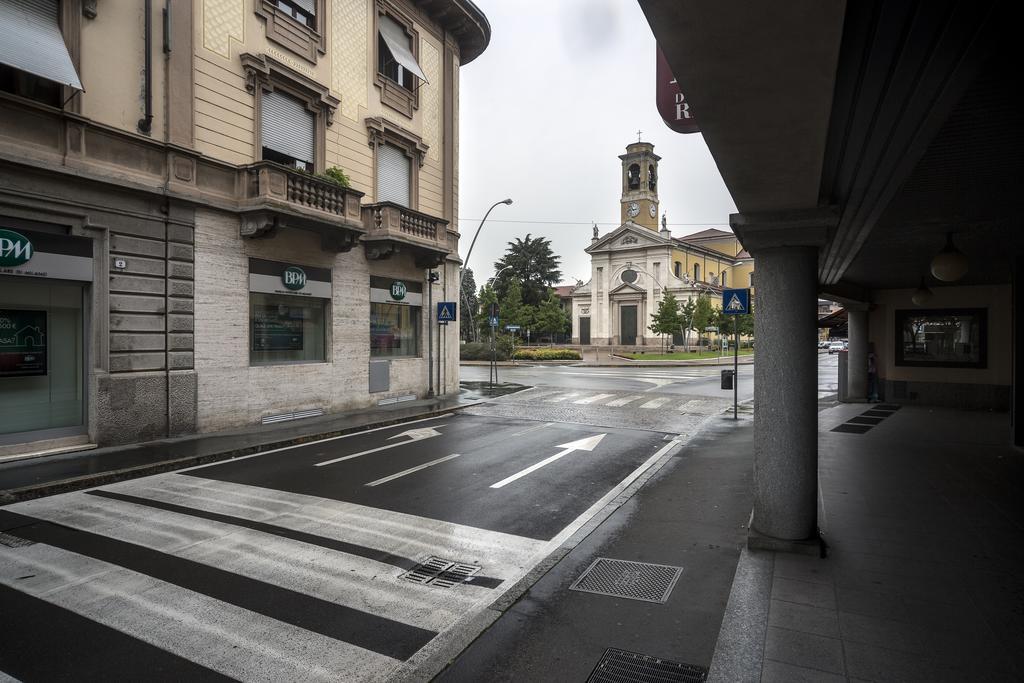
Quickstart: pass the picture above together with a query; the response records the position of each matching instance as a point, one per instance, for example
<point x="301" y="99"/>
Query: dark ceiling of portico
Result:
<point x="969" y="182"/>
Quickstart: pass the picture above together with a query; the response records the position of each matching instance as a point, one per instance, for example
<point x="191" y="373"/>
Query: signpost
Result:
<point x="492" y="372"/>
<point x="446" y="313"/>
<point x="736" y="302"/>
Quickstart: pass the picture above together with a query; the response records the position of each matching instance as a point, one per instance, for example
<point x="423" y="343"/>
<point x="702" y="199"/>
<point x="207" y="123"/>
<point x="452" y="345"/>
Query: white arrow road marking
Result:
<point x="588" y="444"/>
<point x="414" y="469"/>
<point x="413" y="434"/>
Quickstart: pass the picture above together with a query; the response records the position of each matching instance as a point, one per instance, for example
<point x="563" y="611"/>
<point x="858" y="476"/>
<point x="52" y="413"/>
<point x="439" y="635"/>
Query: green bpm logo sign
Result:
<point x="398" y="290"/>
<point x="15" y="249"/>
<point x="294" y="278"/>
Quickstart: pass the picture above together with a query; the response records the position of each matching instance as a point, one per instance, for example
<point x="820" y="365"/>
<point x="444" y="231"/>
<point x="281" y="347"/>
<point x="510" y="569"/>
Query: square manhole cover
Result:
<point x="627" y="579"/>
<point x="622" y="666"/>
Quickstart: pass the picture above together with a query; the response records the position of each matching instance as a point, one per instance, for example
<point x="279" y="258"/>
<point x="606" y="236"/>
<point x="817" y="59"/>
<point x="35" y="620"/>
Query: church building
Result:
<point x="633" y="265"/>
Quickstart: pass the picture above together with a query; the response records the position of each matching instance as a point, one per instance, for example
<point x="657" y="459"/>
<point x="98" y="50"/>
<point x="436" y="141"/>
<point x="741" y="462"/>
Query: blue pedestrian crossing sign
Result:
<point x="736" y="301"/>
<point x="445" y="312"/>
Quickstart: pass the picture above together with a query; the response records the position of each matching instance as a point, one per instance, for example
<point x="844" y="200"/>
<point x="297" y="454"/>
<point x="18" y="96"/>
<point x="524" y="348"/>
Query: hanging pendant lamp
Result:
<point x="922" y="294"/>
<point x="950" y="264"/>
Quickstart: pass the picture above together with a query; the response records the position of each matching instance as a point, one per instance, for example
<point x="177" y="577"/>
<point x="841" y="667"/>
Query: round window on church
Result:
<point x="629" y="276"/>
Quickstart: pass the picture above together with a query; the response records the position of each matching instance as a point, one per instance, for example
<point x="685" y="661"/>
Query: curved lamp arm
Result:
<point x="465" y="264"/>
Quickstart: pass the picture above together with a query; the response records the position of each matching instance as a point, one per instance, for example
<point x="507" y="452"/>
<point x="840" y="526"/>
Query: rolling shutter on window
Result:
<point x="30" y="40"/>
<point x="393" y="170"/>
<point x="287" y="126"/>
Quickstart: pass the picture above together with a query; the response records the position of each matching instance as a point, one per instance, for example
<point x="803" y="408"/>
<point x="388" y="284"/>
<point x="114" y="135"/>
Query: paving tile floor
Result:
<point x="922" y="581"/>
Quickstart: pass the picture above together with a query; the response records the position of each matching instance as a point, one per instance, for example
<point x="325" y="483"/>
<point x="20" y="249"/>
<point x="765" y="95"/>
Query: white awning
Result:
<point x="31" y="41"/>
<point x="398" y="42"/>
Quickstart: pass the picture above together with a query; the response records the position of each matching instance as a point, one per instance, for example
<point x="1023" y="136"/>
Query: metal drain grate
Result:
<point x="622" y="666"/>
<point x="14" y="541"/>
<point x="437" y="571"/>
<point x="626" y="579"/>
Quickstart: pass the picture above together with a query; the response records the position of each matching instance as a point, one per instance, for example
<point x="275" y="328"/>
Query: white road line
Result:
<point x="623" y="401"/>
<point x="424" y="466"/>
<point x="223" y="637"/>
<point x="592" y="399"/>
<point x="656" y="403"/>
<point x="313" y="443"/>
<point x="563" y="397"/>
<point x="531" y="429"/>
<point x="413" y="434"/>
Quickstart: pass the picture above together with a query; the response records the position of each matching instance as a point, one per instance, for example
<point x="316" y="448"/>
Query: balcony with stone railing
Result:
<point x="392" y="228"/>
<point x="277" y="196"/>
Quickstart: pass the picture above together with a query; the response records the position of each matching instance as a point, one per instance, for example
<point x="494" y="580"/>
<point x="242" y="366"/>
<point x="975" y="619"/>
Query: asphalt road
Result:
<point x="371" y="556"/>
<point x="309" y="563"/>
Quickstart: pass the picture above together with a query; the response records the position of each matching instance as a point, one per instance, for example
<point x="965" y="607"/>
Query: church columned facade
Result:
<point x="632" y="266"/>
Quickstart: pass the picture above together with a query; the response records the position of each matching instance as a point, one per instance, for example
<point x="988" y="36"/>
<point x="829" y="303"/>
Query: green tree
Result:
<point x="549" y="317"/>
<point x="703" y="315"/>
<point x="513" y="310"/>
<point x="532" y="264"/>
<point x="483" y="323"/>
<point x="468" y="307"/>
<point x="686" y="320"/>
<point x="667" y="318"/>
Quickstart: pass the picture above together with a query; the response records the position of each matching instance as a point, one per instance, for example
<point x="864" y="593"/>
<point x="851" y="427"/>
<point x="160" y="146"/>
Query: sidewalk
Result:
<point x="923" y="580"/>
<point x="33" y="477"/>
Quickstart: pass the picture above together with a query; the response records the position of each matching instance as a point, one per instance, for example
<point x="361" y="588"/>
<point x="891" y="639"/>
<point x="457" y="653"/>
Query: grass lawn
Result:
<point x="690" y="355"/>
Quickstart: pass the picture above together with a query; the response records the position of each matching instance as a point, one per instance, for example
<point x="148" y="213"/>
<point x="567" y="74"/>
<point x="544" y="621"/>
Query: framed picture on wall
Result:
<point x="942" y="338"/>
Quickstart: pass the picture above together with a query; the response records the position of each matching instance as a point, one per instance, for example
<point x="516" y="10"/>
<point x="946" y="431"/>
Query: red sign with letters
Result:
<point x="672" y="105"/>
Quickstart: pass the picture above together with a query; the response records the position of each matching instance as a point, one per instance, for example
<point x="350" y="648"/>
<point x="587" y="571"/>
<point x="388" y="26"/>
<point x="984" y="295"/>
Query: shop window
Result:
<point x="398" y="69"/>
<point x="295" y="24"/>
<point x="395" y="318"/>
<point x="286" y="329"/>
<point x="942" y="338"/>
<point x="287" y="131"/>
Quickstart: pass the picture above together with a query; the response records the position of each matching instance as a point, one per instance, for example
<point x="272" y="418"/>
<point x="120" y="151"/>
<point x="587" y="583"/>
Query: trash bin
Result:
<point x="727" y="378"/>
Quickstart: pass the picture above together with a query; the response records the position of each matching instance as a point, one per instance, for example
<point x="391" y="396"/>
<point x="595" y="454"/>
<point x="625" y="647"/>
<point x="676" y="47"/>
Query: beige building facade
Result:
<point x="234" y="212"/>
<point x="634" y="265"/>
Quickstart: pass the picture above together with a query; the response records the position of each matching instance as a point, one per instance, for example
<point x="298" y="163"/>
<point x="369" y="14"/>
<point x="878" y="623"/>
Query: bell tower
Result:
<point x="640" y="185"/>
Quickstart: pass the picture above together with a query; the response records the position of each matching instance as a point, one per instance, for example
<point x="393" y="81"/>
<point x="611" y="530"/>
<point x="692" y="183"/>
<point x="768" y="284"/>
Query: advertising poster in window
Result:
<point x="277" y="328"/>
<point x="22" y="343"/>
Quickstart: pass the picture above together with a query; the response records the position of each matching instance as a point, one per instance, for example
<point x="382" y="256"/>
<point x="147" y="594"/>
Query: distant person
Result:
<point x="872" y="374"/>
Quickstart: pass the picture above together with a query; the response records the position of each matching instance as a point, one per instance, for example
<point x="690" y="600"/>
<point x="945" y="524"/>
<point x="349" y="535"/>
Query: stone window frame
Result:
<point x="392" y="94"/>
<point x="264" y="73"/>
<point x="286" y="31"/>
<point x="381" y="131"/>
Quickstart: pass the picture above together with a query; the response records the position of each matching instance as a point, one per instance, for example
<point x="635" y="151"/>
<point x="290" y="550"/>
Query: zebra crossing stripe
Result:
<point x="656" y="403"/>
<point x="619" y="402"/>
<point x="366" y="630"/>
<point x="563" y="397"/>
<point x="592" y="399"/>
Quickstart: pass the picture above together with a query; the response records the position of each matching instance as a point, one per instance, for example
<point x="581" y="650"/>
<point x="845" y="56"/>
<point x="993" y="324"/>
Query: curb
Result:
<point x="101" y="478"/>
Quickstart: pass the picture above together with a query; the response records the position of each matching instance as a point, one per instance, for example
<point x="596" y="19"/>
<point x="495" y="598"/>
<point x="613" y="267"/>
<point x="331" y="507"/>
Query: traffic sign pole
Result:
<point x="736" y="371"/>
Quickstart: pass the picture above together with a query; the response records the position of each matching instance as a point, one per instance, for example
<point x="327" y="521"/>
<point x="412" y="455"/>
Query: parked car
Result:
<point x="823" y="343"/>
<point x="835" y="346"/>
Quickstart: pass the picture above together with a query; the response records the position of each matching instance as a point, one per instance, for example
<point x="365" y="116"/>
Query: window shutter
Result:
<point x="287" y="127"/>
<point x="30" y="40"/>
<point x="394" y="168"/>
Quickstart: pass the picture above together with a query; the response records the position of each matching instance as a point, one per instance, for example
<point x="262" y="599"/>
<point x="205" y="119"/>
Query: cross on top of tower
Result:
<point x="638" y="132"/>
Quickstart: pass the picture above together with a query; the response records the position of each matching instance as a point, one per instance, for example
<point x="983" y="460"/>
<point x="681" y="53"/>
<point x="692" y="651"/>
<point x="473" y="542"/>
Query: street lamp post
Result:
<point x="469" y="253"/>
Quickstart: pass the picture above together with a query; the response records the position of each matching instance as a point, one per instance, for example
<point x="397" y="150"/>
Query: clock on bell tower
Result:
<point x="640" y="185"/>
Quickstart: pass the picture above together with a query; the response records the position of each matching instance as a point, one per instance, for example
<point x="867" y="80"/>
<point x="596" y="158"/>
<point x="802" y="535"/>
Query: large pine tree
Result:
<point x="468" y="306"/>
<point x="532" y="264"/>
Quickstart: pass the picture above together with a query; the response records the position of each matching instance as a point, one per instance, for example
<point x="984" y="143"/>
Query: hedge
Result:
<point x="482" y="351"/>
<point x="547" y="354"/>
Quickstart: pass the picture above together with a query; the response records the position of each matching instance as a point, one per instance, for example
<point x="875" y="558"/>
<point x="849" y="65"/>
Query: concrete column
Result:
<point x="857" y="358"/>
<point x="785" y="249"/>
<point x="785" y="393"/>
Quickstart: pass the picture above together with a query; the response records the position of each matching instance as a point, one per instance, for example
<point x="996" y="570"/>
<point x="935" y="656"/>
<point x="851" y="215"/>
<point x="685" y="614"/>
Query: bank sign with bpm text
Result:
<point x="15" y="249"/>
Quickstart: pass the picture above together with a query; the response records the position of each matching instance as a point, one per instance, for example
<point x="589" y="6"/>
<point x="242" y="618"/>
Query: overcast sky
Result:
<point x="545" y="112"/>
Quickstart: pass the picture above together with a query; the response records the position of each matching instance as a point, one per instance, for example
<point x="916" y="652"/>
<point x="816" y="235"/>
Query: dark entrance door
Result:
<point x="627" y="323"/>
<point x="584" y="330"/>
